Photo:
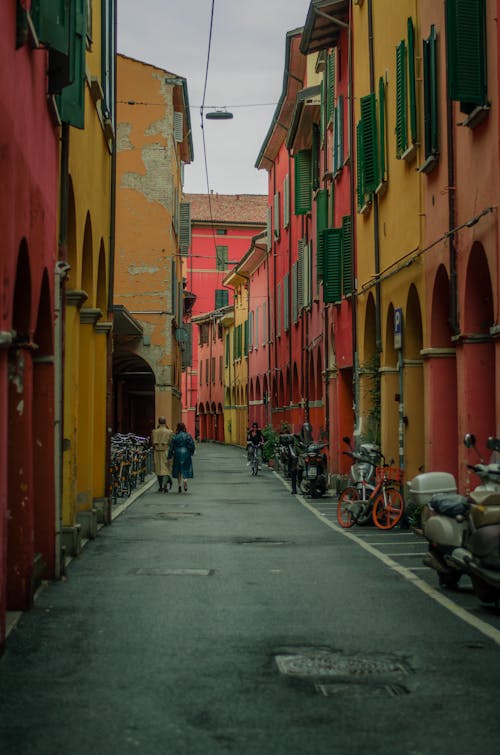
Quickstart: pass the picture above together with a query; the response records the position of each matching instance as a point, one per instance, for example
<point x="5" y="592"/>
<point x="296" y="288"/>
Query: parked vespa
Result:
<point x="464" y="533"/>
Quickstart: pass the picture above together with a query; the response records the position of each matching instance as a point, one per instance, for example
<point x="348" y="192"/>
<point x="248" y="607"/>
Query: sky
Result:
<point x="245" y="75"/>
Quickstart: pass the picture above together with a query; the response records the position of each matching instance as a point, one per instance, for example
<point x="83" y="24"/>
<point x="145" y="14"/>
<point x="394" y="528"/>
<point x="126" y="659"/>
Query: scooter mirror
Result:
<point x="470" y="440"/>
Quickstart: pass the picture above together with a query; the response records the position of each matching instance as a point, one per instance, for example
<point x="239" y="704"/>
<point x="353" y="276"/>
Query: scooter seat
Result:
<point x="449" y="504"/>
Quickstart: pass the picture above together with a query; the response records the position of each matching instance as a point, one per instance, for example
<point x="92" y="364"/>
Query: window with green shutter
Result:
<point x="431" y="135"/>
<point x="381" y="129"/>
<point x="347" y="261"/>
<point x="360" y="193"/>
<point x="321" y="224"/>
<point x="332" y="273"/>
<point x="227" y="351"/>
<point x="370" y="165"/>
<point x="303" y="180"/>
<point x="294" y="293"/>
<point x="108" y="64"/>
<point x="338" y="136"/>
<point x="411" y="81"/>
<point x="245" y="339"/>
<point x="300" y="275"/>
<point x="315" y="157"/>
<point x="51" y="21"/>
<point x="221" y="298"/>
<point x="401" y="109"/>
<point x="221" y="253"/>
<point x="71" y="101"/>
<point x="286" y="303"/>
<point x="330" y="86"/>
<point x="466" y="52"/>
<point x="184" y="228"/>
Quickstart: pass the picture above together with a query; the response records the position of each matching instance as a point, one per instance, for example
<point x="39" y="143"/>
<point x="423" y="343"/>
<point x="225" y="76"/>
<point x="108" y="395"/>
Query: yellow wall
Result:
<point x="86" y="344"/>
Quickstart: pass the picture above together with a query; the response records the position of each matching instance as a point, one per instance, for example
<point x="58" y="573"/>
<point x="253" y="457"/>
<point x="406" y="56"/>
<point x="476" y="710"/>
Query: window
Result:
<point x="466" y="53"/>
<point x="184" y="228"/>
<point x="286" y="303"/>
<point x="201" y="372"/>
<point x="278" y="309"/>
<point x="300" y="275"/>
<point x="321" y="224"/>
<point x="369" y="148"/>
<point x="264" y="323"/>
<point x="406" y="95"/>
<point x="221" y="298"/>
<point x="108" y="73"/>
<point x="227" y="351"/>
<point x="269" y="226"/>
<point x="338" y="264"/>
<point x="213" y="369"/>
<point x="276" y="224"/>
<point x="338" y="143"/>
<point x="295" y="307"/>
<point x="251" y="316"/>
<point x="431" y="134"/>
<point x="221" y="257"/>
<point x="207" y="374"/>
<point x="71" y="100"/>
<point x="330" y="86"/>
<point x="286" y="201"/>
<point x="178" y="126"/>
<point x="203" y="333"/>
<point x="221" y="370"/>
<point x="256" y="327"/>
<point x="382" y="131"/>
<point x="303" y="178"/>
<point x="221" y="231"/>
<point x="245" y="338"/>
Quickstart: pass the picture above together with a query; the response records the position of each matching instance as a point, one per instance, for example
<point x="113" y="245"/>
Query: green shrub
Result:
<point x="271" y="437"/>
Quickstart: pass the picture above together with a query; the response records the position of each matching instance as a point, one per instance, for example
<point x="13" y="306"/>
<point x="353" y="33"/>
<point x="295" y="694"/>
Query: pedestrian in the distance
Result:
<point x="181" y="450"/>
<point x="160" y="440"/>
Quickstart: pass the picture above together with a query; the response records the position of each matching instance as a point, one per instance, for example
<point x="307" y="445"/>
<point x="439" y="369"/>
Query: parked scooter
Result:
<point x="362" y="477"/>
<point x="464" y="533"/>
<point x="313" y="470"/>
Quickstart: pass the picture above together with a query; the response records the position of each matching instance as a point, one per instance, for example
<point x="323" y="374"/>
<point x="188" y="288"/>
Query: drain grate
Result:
<point x="326" y="664"/>
<point x="333" y="690"/>
<point x="159" y="572"/>
<point x="173" y="515"/>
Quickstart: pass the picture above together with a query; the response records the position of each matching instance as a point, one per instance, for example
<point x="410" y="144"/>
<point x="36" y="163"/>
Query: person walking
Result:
<point x="181" y="450"/>
<point x="160" y="440"/>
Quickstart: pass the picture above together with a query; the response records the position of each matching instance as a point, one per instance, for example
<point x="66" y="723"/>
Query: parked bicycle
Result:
<point x="129" y="459"/>
<point x="384" y="501"/>
<point x="362" y="474"/>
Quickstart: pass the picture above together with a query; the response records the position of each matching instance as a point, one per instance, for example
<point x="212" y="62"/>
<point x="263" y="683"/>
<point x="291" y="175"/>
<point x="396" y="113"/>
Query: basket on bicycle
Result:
<point x="392" y="474"/>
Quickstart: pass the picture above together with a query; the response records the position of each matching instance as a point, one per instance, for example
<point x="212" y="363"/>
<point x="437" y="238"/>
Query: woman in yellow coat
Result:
<point x="160" y="440"/>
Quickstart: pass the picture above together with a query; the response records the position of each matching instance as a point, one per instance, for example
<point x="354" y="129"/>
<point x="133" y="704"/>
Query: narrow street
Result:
<point x="238" y="618"/>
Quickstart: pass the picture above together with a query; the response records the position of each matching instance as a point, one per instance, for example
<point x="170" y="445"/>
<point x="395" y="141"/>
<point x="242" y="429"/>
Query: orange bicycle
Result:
<point x="385" y="500"/>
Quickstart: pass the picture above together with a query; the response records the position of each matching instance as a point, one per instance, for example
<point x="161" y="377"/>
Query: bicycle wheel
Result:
<point x="345" y="514"/>
<point x="387" y="513"/>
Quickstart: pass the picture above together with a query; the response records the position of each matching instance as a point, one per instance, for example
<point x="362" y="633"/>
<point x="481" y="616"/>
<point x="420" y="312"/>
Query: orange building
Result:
<point x="153" y="145"/>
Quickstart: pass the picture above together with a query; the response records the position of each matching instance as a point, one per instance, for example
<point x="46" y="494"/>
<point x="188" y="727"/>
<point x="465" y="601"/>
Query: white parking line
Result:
<point x="481" y="626"/>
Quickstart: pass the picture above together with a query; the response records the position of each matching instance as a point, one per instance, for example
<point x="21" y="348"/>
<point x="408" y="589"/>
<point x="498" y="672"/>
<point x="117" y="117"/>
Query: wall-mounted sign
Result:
<point x="398" y="328"/>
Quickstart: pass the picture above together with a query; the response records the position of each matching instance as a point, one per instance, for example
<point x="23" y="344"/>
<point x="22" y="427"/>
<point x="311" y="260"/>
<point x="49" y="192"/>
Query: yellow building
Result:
<point x="387" y="132"/>
<point x="86" y="110"/>
<point x="236" y="362"/>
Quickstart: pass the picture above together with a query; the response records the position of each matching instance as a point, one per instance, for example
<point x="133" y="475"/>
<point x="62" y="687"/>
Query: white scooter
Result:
<point x="463" y="533"/>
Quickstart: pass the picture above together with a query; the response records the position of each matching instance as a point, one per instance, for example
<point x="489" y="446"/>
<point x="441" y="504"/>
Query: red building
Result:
<point x="222" y="227"/>
<point x="29" y="164"/>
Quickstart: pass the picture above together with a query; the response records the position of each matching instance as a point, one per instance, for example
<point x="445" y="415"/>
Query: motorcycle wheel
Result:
<point x="345" y="516"/>
<point x="484" y="592"/>
<point x="449" y="580"/>
<point x="386" y="517"/>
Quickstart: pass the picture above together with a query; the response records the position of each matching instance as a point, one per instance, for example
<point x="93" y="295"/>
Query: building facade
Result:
<point x="154" y="144"/>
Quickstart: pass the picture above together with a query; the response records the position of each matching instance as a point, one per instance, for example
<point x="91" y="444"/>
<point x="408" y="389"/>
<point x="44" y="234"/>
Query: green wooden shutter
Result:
<point x="221" y="298"/>
<point x="370" y="147"/>
<point x="71" y="101"/>
<point x="359" y="166"/>
<point x="245" y="341"/>
<point x="323" y="108"/>
<point x="340" y="131"/>
<point x="303" y="191"/>
<point x="381" y="124"/>
<point x="286" y="302"/>
<point x="430" y="95"/>
<point x="411" y="81"/>
<point x="294" y="292"/>
<point x="401" y="122"/>
<point x="347" y="263"/>
<point x="466" y="51"/>
<point x="333" y="265"/>
<point x="51" y="22"/>
<point x="321" y="224"/>
<point x="184" y="228"/>
<point x="315" y="157"/>
<point x="330" y="84"/>
<point x="300" y="275"/>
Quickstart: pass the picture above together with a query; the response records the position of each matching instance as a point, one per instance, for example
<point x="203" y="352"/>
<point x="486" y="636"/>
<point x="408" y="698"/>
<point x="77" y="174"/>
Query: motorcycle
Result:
<point x="362" y="478"/>
<point x="464" y="532"/>
<point x="313" y="470"/>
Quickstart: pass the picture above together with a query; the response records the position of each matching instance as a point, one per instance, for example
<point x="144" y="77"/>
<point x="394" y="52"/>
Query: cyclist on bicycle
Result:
<point x="255" y="439"/>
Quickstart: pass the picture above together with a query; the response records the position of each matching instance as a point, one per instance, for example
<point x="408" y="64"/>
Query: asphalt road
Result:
<point x="238" y="618"/>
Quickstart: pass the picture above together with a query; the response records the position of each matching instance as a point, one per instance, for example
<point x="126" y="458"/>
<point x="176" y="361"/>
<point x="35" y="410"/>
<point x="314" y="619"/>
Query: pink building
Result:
<point x="29" y="164"/>
<point x="208" y="333"/>
<point x="222" y="227"/>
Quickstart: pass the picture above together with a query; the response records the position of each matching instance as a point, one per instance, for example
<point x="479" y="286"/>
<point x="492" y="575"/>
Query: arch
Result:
<point x="440" y="331"/>
<point x="281" y="390"/>
<point x="370" y="335"/>
<point x="413" y="331"/>
<point x="296" y="392"/>
<point x="319" y="376"/>
<point x="369" y="382"/>
<point x="44" y="323"/>
<point x="390" y="356"/>
<point x="134" y="393"/>
<point x="71" y="244"/>
<point x="21" y="306"/>
<point x="101" y="290"/>
<point x="478" y="299"/>
<point x="88" y="264"/>
<point x="251" y="392"/>
<point x="414" y="405"/>
<point x="288" y="385"/>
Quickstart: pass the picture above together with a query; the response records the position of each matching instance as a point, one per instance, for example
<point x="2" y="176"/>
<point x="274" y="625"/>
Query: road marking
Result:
<point x="406" y="573"/>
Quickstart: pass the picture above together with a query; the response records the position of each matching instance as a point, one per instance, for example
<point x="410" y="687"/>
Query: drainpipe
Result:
<point x="355" y="364"/>
<point x="290" y="328"/>
<point x="376" y="236"/>
<point x="268" y="346"/>
<point x="61" y="270"/>
<point x="453" y="305"/>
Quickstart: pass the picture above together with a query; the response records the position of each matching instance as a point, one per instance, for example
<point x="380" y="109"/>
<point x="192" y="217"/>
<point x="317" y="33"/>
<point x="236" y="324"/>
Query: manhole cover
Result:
<point x="172" y="572"/>
<point x="322" y="664"/>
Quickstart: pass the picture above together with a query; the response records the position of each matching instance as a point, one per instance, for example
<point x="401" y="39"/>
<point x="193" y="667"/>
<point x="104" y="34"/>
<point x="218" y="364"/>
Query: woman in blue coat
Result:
<point x="181" y="450"/>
